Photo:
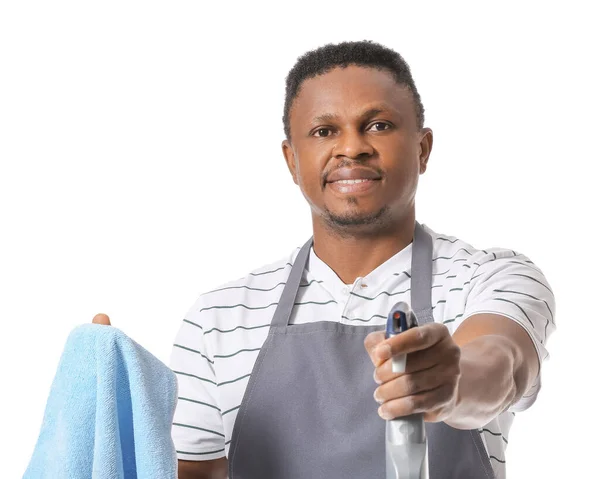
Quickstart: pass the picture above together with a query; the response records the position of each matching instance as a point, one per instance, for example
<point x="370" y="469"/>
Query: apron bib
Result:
<point x="308" y="411"/>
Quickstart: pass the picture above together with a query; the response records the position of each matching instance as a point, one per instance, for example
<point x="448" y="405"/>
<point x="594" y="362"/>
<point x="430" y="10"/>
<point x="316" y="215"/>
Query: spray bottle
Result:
<point x="405" y="439"/>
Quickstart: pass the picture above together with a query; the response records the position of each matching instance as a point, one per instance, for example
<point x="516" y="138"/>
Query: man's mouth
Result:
<point x="350" y="174"/>
<point x="354" y="186"/>
<point x="352" y="182"/>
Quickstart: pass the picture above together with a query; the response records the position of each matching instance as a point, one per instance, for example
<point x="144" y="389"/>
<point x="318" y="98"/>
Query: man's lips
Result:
<point x="354" y="187"/>
<point x="355" y="181"/>
<point x="352" y="175"/>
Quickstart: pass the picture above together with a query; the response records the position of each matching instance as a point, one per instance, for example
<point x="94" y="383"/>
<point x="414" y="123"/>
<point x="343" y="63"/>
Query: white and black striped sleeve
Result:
<point x="197" y="432"/>
<point x="509" y="284"/>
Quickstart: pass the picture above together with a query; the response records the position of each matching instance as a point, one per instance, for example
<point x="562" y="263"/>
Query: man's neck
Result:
<point x="353" y="256"/>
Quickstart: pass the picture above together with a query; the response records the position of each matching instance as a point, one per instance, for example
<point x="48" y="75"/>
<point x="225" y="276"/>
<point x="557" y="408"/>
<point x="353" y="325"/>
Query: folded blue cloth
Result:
<point x="109" y="412"/>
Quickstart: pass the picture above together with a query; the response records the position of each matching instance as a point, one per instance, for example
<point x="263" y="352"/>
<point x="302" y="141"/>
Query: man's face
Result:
<point x="355" y="149"/>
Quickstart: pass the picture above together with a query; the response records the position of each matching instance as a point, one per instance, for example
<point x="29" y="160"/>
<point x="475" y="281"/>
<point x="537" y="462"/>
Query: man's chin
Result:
<point x="356" y="220"/>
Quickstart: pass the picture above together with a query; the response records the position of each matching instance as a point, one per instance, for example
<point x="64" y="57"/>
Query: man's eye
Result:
<point x="322" y="132"/>
<point x="379" y="126"/>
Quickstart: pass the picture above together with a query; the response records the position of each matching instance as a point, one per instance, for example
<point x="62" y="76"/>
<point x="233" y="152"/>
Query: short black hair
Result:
<point x="363" y="53"/>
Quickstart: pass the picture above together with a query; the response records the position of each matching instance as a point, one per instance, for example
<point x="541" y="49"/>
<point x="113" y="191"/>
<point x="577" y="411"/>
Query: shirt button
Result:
<point x="363" y="285"/>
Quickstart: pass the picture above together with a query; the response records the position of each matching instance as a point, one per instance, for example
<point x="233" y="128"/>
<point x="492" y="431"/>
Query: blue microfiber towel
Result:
<point x="109" y="412"/>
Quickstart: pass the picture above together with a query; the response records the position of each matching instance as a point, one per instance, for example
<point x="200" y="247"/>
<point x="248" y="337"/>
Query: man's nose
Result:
<point x="353" y="145"/>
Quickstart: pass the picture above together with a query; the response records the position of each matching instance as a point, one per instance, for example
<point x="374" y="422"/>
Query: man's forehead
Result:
<point x="331" y="107"/>
<point x="368" y="87"/>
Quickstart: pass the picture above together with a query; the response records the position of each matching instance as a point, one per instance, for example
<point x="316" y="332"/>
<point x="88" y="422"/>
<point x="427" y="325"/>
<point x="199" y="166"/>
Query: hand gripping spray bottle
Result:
<point x="405" y="440"/>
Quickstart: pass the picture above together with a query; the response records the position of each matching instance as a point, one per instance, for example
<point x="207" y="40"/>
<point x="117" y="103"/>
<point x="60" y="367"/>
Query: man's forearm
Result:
<point x="214" y="469"/>
<point x="493" y="376"/>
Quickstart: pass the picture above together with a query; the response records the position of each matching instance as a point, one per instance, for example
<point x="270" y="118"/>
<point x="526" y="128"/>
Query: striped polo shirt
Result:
<point x="221" y="335"/>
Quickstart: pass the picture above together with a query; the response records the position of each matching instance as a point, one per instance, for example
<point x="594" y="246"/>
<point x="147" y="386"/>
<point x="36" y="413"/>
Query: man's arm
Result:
<point x="498" y="365"/>
<point x="215" y="469"/>
<point x="198" y="430"/>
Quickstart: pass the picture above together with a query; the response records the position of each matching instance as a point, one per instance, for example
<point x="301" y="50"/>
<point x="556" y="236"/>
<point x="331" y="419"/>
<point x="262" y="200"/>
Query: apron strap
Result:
<point x="421" y="279"/>
<point x="283" y="313"/>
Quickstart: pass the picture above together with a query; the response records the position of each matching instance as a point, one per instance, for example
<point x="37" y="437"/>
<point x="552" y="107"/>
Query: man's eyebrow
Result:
<point x="331" y="117"/>
<point x="325" y="118"/>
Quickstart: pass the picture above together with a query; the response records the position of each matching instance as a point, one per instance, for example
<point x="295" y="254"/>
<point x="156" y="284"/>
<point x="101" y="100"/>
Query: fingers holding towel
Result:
<point x="101" y="318"/>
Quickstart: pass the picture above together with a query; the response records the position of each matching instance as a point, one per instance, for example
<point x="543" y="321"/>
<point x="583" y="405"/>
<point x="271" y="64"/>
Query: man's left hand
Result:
<point x="429" y="384"/>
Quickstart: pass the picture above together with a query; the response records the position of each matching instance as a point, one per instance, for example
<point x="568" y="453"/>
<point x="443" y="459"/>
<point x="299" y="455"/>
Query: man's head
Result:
<point x="355" y="142"/>
<point x="365" y="54"/>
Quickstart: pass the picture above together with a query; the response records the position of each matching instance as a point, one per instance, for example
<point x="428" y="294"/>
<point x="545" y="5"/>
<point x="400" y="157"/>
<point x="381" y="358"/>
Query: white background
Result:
<point x="141" y="165"/>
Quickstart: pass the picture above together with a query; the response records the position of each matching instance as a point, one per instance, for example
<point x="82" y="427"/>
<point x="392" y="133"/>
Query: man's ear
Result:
<point x="290" y="159"/>
<point x="426" y="144"/>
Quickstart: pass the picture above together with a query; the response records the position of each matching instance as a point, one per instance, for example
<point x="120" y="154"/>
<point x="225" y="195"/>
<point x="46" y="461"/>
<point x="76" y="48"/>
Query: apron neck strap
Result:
<point x="421" y="279"/>
<point x="290" y="290"/>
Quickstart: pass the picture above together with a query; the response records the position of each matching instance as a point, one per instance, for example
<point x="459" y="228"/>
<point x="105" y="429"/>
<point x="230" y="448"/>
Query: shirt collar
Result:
<point x="394" y="266"/>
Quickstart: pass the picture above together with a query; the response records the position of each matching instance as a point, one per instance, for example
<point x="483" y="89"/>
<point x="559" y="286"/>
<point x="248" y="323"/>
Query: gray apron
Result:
<point x="308" y="411"/>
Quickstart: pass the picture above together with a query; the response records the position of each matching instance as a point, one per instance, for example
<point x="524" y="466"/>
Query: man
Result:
<point x="285" y="380"/>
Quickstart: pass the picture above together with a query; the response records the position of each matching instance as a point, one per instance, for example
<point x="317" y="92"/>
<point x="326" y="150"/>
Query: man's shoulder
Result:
<point x="264" y="279"/>
<point x="255" y="292"/>
<point x="447" y="247"/>
<point x="453" y="252"/>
